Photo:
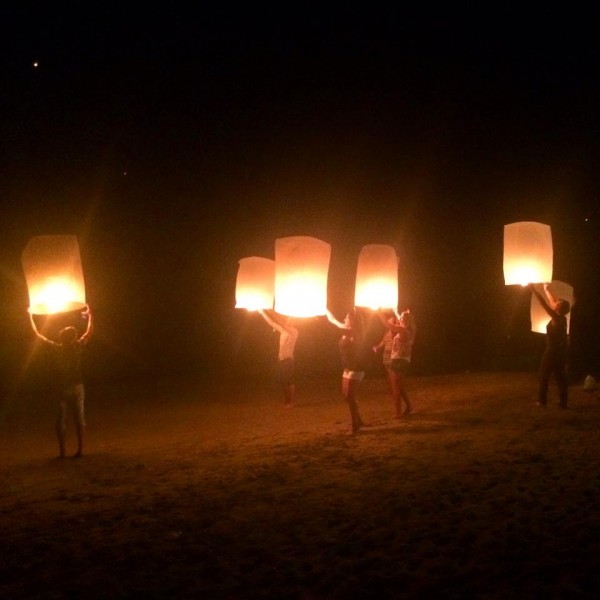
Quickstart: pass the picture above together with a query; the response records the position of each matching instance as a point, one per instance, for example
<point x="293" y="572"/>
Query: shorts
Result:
<point x="356" y="375"/>
<point x="286" y="371"/>
<point x="72" y="398"/>
<point x="400" y="365"/>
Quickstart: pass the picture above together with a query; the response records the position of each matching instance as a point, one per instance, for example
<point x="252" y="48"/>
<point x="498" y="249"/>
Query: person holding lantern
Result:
<point x="353" y="355"/>
<point x="288" y="336"/>
<point x="403" y="329"/>
<point x="554" y="359"/>
<point x="68" y="350"/>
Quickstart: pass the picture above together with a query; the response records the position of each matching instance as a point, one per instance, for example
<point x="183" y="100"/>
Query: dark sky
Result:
<point x="176" y="141"/>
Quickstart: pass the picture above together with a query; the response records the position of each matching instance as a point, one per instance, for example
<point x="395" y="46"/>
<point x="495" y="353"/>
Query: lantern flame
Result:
<point x="523" y="274"/>
<point x="377" y="277"/>
<point x="527" y="253"/>
<point x="54" y="276"/>
<point x="54" y="296"/>
<point x="301" y="271"/>
<point x="255" y="283"/>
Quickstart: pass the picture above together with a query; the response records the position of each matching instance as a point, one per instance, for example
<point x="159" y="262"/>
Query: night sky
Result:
<point x="174" y="142"/>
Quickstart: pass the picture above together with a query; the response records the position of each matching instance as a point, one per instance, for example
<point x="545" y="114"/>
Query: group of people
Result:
<point x="353" y="352"/>
<point x="397" y="344"/>
<point x="354" y="357"/>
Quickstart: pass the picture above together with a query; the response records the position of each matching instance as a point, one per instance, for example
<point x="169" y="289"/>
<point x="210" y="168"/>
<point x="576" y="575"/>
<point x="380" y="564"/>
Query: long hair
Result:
<point x="357" y="324"/>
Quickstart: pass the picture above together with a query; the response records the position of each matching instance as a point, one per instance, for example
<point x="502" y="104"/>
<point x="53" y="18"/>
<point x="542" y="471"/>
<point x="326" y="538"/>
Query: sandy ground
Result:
<point x="196" y="490"/>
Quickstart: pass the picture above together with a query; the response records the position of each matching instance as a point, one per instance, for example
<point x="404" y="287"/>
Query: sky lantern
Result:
<point x="539" y="317"/>
<point x="527" y="253"/>
<point x="54" y="276"/>
<point x="255" y="285"/>
<point x="377" y="277"/>
<point x="301" y="270"/>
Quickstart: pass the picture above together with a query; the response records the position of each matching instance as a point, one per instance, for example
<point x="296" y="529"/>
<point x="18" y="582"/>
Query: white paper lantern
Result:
<point x="539" y="317"/>
<point x="301" y="270"/>
<point x="377" y="277"/>
<point x="527" y="253"/>
<point x="54" y="276"/>
<point x="255" y="285"/>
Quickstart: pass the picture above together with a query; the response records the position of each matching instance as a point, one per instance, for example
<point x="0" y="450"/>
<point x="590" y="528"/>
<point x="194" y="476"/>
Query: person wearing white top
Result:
<point x="288" y="336"/>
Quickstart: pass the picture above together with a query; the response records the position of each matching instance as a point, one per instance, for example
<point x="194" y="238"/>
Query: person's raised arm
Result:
<point x="85" y="338"/>
<point x="274" y="324"/>
<point x="552" y="301"/>
<point x="35" y="329"/>
<point x="331" y="318"/>
<point x="545" y="305"/>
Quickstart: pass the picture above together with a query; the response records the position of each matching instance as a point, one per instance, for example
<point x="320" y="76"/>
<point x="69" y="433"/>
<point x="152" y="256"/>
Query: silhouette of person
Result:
<point x="288" y="336"/>
<point x="554" y="359"/>
<point x="67" y="353"/>
<point x="353" y="357"/>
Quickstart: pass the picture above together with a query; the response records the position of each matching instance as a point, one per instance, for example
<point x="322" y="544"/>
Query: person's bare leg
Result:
<point x="350" y="396"/>
<point x="407" y="402"/>
<point x="80" y="431"/>
<point x="79" y="418"/>
<point x="396" y="400"/>
<point x="391" y="376"/>
<point x="403" y="395"/>
<point x="61" y="433"/>
<point x="289" y="393"/>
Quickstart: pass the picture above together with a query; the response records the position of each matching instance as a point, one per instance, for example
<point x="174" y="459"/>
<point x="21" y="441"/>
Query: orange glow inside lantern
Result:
<point x="255" y="283"/>
<point x="377" y="277"/>
<point x="301" y="271"/>
<point x="54" y="276"/>
<point x="527" y="253"/>
<point x="539" y="317"/>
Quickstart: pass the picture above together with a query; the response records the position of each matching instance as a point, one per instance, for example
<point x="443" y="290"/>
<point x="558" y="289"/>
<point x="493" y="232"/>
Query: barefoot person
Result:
<point x="288" y="336"/>
<point x="403" y="330"/>
<point x="67" y="352"/>
<point x="554" y="359"/>
<point x="352" y="352"/>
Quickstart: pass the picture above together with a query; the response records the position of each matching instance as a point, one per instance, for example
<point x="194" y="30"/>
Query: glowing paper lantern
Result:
<point x="255" y="285"/>
<point x="301" y="269"/>
<point x="377" y="277"/>
<point x="527" y="253"/>
<point x="539" y="317"/>
<point x="53" y="273"/>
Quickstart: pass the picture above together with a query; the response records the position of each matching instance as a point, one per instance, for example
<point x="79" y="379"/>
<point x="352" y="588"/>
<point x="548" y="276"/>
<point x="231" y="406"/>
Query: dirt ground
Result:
<point x="207" y="490"/>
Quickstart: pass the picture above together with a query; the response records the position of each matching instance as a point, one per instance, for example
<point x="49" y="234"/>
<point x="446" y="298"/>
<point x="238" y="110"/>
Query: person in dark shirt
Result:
<point x="67" y="354"/>
<point x="353" y="355"/>
<point x="554" y="359"/>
